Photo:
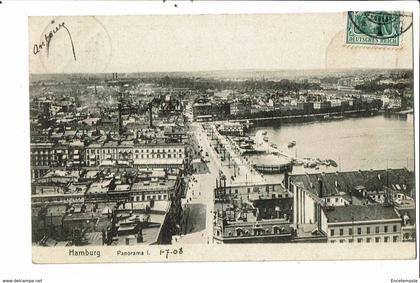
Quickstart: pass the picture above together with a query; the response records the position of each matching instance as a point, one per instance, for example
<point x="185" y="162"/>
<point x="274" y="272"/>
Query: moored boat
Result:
<point x="291" y="144"/>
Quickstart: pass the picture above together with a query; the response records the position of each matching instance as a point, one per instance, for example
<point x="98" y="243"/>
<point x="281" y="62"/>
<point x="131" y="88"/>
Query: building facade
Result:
<point x="145" y="155"/>
<point x="354" y="206"/>
<point x="362" y="224"/>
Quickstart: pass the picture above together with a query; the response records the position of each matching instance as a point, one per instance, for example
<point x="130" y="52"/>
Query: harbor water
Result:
<point x="376" y="142"/>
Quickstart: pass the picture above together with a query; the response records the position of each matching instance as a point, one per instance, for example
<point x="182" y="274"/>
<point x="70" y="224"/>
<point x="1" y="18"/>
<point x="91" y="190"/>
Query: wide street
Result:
<point x="201" y="187"/>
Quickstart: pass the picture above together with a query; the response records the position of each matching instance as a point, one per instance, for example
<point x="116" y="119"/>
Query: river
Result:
<point x="365" y="143"/>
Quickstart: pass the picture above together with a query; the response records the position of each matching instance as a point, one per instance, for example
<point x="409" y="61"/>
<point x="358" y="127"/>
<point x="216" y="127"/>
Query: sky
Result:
<point x="203" y="43"/>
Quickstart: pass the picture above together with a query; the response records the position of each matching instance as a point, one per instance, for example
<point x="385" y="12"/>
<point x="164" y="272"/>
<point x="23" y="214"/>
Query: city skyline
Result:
<point x="222" y="129"/>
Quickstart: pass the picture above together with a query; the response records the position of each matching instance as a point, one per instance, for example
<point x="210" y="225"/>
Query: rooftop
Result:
<point x="122" y="188"/>
<point x="159" y="161"/>
<point x="99" y="187"/>
<point x="400" y="180"/>
<point x="92" y="174"/>
<point x="152" y="186"/>
<point x="62" y="173"/>
<point x="340" y="214"/>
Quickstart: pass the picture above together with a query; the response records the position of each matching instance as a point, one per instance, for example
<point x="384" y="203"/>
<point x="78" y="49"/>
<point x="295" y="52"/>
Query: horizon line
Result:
<point x="230" y="70"/>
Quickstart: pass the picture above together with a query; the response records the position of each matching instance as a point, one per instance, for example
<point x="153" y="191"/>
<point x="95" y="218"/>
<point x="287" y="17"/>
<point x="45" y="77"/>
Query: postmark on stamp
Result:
<point x="381" y="28"/>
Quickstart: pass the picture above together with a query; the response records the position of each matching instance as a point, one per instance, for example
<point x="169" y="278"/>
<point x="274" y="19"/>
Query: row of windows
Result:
<point x="256" y="232"/>
<point x="97" y="151"/>
<point x="42" y="152"/>
<point x="46" y="152"/>
<point x="58" y="199"/>
<point x="368" y="230"/>
<point x="158" y="150"/>
<point x="43" y="163"/>
<point x="336" y="200"/>
<point x="385" y="239"/>
<point x="45" y="158"/>
<point x="113" y="156"/>
<point x="155" y="197"/>
<point x="157" y="156"/>
<point x="137" y="156"/>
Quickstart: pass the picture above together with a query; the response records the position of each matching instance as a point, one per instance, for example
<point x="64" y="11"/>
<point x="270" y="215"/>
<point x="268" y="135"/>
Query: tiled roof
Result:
<point x="371" y="180"/>
<point x="360" y="213"/>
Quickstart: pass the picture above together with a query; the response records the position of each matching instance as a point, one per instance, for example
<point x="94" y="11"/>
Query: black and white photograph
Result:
<point x="254" y="142"/>
<point x="235" y="137"/>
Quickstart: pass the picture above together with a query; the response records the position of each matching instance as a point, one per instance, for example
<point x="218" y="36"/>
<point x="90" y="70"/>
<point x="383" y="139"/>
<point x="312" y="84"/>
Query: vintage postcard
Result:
<point x="222" y="137"/>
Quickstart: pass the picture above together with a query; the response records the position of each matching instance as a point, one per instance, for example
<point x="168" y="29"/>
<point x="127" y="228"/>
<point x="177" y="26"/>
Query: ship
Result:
<point x="245" y="145"/>
<point x="332" y="163"/>
<point x="291" y="144"/>
<point x="332" y="117"/>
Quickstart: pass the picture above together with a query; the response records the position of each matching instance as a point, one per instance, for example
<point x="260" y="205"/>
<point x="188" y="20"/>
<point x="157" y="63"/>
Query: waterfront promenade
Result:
<point x="202" y="190"/>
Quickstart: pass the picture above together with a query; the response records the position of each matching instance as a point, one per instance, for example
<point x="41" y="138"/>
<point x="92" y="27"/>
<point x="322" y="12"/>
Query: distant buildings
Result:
<point x="231" y="129"/>
<point x="322" y="105"/>
<point x="206" y="109"/>
<point x="43" y="155"/>
<point x="392" y="100"/>
<point x="240" y="107"/>
<point x="309" y="103"/>
<point x="202" y="110"/>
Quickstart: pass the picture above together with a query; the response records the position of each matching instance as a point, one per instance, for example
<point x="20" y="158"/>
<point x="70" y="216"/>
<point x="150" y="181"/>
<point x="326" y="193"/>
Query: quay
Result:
<point x="306" y="117"/>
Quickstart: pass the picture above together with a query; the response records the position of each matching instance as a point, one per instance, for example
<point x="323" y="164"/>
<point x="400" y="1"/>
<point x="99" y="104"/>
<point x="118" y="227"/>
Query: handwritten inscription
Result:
<point x="167" y="252"/>
<point x="45" y="44"/>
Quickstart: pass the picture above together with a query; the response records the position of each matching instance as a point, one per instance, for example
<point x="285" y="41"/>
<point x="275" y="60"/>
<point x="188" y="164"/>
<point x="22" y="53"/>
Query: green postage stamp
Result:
<point x="374" y="28"/>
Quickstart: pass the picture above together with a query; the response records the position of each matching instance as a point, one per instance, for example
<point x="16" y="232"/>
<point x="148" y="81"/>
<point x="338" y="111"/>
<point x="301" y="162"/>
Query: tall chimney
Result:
<point x="319" y="210"/>
<point x="320" y="188"/>
<point x="150" y="116"/>
<point x="120" y="128"/>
